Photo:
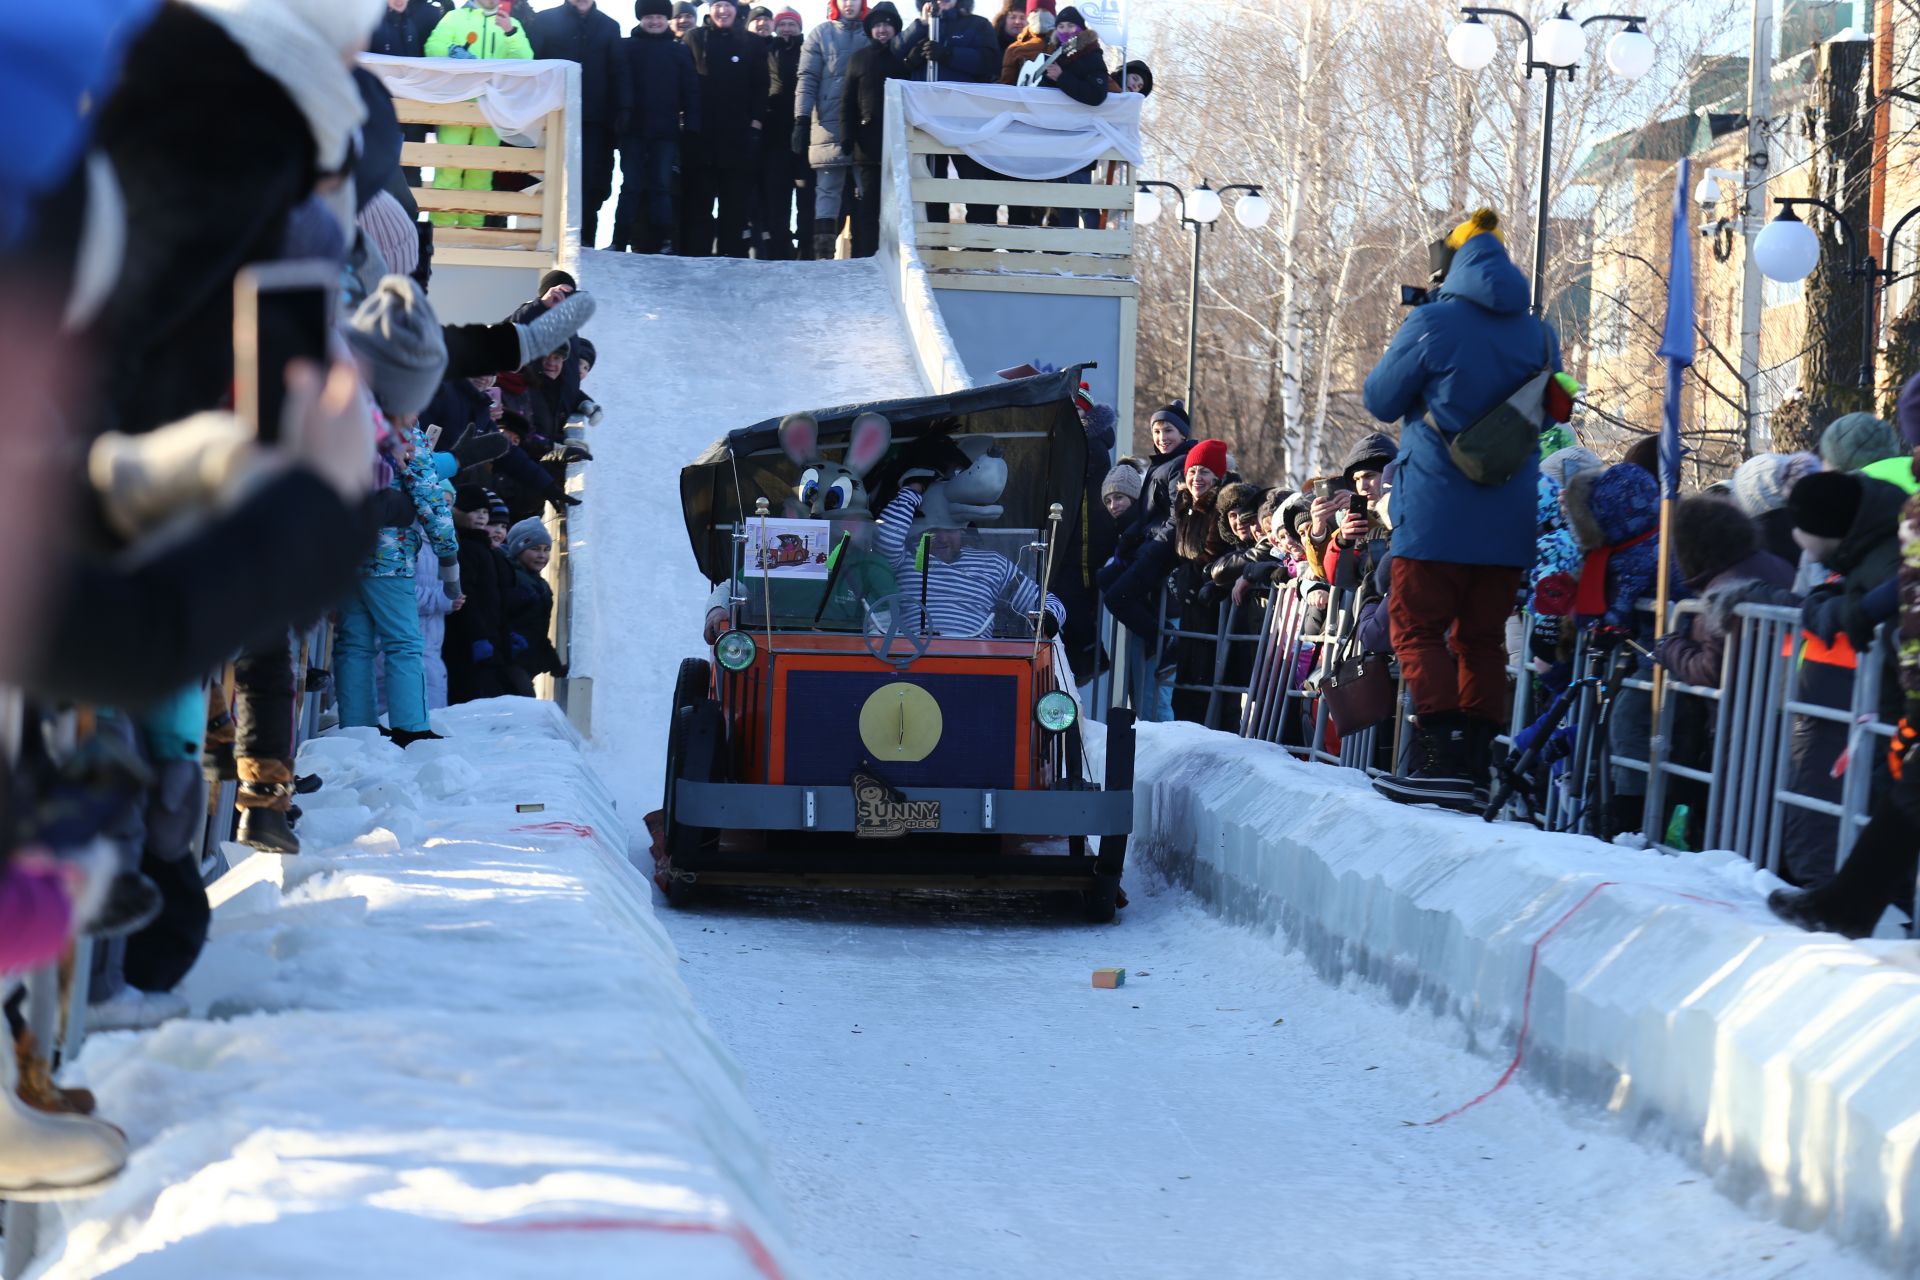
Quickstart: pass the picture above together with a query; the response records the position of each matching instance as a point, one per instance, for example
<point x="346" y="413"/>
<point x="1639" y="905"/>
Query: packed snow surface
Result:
<point x="947" y="1096"/>
<point x="448" y="1039"/>
<point x="691" y="349"/>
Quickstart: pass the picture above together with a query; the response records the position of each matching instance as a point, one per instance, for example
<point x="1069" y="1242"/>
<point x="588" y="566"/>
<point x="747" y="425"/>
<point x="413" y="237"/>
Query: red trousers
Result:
<point x="1449" y="631"/>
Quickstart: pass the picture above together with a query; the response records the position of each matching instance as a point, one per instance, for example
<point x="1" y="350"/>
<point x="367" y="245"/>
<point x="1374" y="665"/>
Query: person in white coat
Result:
<point x="818" y="133"/>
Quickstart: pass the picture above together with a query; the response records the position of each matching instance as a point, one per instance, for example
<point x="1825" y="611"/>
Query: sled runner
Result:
<point x="834" y="736"/>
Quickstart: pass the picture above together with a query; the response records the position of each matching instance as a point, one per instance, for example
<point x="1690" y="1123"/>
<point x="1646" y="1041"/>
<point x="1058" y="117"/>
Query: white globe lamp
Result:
<point x="1630" y="53"/>
<point x="1252" y="211"/>
<point x="1203" y="204"/>
<point x="1471" y="45"/>
<point x="1559" y="42"/>
<point x="1786" y="249"/>
<point x="1146" y="207"/>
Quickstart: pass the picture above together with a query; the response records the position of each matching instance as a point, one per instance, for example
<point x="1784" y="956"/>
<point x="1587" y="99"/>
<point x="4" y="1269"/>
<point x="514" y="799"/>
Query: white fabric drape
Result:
<point x="513" y="94"/>
<point x="1034" y="133"/>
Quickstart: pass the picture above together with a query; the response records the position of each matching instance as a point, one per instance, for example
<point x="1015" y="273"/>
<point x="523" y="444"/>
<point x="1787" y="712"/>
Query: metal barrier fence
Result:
<point x="1739" y="771"/>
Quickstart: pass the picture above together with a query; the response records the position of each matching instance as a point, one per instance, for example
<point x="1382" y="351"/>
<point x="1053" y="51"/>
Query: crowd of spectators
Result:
<point x="1405" y="552"/>
<point x="170" y="553"/>
<point x="735" y="134"/>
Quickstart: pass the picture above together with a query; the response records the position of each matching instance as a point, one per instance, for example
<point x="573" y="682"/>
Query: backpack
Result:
<point x="1493" y="448"/>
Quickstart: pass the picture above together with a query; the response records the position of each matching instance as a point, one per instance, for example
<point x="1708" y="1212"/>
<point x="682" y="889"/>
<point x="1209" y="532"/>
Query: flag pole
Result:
<point x="1676" y="348"/>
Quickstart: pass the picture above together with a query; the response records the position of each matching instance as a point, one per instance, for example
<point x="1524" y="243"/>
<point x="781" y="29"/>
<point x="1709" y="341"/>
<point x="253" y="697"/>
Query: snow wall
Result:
<point x="1783" y="1063"/>
<point x="449" y="1038"/>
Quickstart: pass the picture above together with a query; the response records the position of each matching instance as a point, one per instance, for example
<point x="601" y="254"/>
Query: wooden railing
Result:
<point x="535" y="216"/>
<point x="1073" y="259"/>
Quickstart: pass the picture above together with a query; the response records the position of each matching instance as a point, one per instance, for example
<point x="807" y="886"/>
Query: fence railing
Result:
<point x="1739" y="771"/>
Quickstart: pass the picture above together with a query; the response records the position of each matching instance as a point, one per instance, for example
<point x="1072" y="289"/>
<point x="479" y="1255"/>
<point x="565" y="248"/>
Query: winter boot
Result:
<point x="1482" y="748"/>
<point x="550" y="330"/>
<point x="404" y="738"/>
<point x="308" y="783"/>
<point x="37" y="1088"/>
<point x="1818" y="911"/>
<point x="1442" y="751"/>
<point x="265" y="796"/>
<point x="826" y="232"/>
<point x="52" y="1157"/>
<point x="132" y="903"/>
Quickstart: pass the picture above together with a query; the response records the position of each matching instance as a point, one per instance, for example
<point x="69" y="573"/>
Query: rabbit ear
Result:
<point x="800" y="438"/>
<point x="871" y="437"/>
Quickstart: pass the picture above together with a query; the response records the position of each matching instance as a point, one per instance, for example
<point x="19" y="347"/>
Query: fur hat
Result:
<point x="531" y="532"/>
<point x="1825" y="503"/>
<point x="1211" y="454"/>
<point x="1710" y="535"/>
<point x="1125" y="479"/>
<point x="1762" y="483"/>
<point x="1479" y="222"/>
<point x="1855" y="440"/>
<point x="398" y="341"/>
<point x="1275" y="498"/>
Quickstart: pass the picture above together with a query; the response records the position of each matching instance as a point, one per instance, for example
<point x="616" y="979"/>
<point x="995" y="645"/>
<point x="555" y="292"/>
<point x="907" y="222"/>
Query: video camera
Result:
<point x="1439" y="259"/>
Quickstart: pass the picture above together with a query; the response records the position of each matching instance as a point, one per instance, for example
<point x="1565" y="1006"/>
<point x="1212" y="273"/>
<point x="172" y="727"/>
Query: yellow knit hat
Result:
<point x="1481" y="220"/>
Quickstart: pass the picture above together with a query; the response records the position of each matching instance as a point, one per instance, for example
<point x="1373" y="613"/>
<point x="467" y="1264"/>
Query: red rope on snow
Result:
<point x="568" y="828"/>
<point x="741" y="1234"/>
<point x="1526" y="1002"/>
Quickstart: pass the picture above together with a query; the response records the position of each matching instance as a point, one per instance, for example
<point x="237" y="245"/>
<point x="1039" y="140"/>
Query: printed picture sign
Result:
<point x="787" y="548"/>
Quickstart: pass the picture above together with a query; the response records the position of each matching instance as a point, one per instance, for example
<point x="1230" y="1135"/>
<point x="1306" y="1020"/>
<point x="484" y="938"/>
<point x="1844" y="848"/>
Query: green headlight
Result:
<point x="1056" y="711"/>
<point x="735" y="649"/>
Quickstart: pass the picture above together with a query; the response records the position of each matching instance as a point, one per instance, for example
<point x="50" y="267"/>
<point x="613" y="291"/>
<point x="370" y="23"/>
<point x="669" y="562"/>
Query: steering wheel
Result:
<point x="888" y="613"/>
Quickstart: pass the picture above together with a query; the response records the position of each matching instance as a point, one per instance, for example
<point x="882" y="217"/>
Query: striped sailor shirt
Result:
<point x="961" y="594"/>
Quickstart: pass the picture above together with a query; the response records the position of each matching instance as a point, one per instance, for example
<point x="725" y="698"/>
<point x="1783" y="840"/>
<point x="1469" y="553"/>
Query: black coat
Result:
<point x="404" y="34"/>
<point x="1084" y="77"/>
<point x="666" y="88"/>
<point x="198" y="212"/>
<point x="459" y="409"/>
<point x="783" y="81"/>
<point x="591" y="39"/>
<point x="733" y="98"/>
<point x="974" y="53"/>
<point x="866" y="98"/>
<point x="486" y="577"/>
<point x="529" y="614"/>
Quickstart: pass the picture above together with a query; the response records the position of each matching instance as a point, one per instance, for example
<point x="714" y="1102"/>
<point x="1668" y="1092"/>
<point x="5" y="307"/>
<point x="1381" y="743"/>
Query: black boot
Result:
<point x="1442" y="752"/>
<point x="1815" y="912"/>
<point x="268" y="831"/>
<point x="826" y="234"/>
<point x="133" y="902"/>
<point x="308" y="783"/>
<point x="404" y="738"/>
<point x="1480" y="758"/>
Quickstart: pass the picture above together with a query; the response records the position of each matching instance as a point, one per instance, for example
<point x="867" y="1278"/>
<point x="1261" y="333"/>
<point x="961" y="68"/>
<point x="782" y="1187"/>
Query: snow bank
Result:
<point x="450" y="1039"/>
<point x="1785" y="1064"/>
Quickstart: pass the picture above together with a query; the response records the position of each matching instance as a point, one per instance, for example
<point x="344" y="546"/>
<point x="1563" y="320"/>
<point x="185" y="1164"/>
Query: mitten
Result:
<point x="516" y="644"/>
<point x="550" y="330"/>
<point x="591" y="412"/>
<point x="483" y="650"/>
<point x="801" y="129"/>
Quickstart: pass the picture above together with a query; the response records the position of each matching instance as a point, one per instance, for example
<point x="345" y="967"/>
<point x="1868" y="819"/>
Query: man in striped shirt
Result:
<point x="962" y="584"/>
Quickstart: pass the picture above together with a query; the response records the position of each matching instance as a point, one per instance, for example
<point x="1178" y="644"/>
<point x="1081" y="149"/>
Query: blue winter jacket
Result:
<point x="973" y="51"/>
<point x="1451" y="362"/>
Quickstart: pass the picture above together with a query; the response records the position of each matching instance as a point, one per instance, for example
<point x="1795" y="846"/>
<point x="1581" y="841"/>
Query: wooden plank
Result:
<point x="435" y="200"/>
<point x="961" y="235"/>
<point x="482" y="238"/>
<point x="553" y="209"/>
<point x="435" y="155"/>
<point x="462" y="256"/>
<point x="986" y="282"/>
<point x="413" y="112"/>
<point x="1046" y="264"/>
<point x="1046" y="195"/>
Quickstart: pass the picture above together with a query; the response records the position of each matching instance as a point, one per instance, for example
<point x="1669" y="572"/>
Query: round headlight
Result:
<point x="1056" y="711"/>
<point x="735" y="649"/>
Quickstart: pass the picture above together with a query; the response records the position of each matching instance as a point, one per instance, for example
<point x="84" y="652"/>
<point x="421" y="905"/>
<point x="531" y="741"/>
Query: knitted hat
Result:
<point x="1479" y="222"/>
<point x="760" y="11"/>
<point x="585" y="350"/>
<point x="1175" y="413"/>
<point x="384" y="221"/>
<point x="530" y="532"/>
<point x="553" y="278"/>
<point x="1039" y="6"/>
<point x="497" y="510"/>
<point x="1856" y="440"/>
<point x="469" y="497"/>
<point x="1825" y="503"/>
<point x="653" y="8"/>
<point x="1070" y="14"/>
<point x="882" y="12"/>
<point x="1125" y="479"/>
<point x="1762" y="483"/>
<point x="1141" y="69"/>
<point x="1211" y="454"/>
<point x="682" y="9"/>
<point x="784" y="14"/>
<point x="398" y="341"/>
<point x="1565" y="464"/>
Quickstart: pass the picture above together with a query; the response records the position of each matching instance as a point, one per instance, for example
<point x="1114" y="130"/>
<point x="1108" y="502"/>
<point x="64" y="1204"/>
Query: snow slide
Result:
<point x="1661" y="988"/>
<point x="448" y="1039"/>
<point x="689" y="350"/>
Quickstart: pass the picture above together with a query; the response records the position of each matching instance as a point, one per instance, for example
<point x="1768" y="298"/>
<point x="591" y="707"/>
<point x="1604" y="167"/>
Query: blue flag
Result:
<point x="1676" y="340"/>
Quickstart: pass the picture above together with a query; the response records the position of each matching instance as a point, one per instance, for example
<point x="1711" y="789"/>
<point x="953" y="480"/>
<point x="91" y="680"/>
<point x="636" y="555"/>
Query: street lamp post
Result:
<point x="1555" y="48"/>
<point x="1787" y="249"/>
<point x="1199" y="209"/>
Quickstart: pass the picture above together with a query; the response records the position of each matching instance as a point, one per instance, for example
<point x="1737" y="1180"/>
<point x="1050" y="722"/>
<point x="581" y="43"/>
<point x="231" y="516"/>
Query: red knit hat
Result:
<point x="1035" y="6"/>
<point x="784" y="14"/>
<point x="1211" y="454"/>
